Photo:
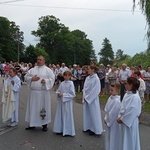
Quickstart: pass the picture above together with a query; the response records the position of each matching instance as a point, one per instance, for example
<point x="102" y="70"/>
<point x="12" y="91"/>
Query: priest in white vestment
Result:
<point x="10" y="98"/>
<point x="112" y="108"/>
<point x="92" y="121"/>
<point x="128" y="116"/>
<point x="40" y="80"/>
<point x="64" y="119"/>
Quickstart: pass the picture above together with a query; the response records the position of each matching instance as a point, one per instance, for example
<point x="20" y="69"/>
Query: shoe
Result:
<point x="44" y="129"/>
<point x="14" y="124"/>
<point x="86" y="131"/>
<point x="59" y="133"/>
<point x="9" y="122"/>
<point x="91" y="133"/>
<point x="29" y="128"/>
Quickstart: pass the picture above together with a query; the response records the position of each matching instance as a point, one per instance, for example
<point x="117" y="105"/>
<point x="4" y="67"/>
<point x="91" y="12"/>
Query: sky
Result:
<point x="99" y="19"/>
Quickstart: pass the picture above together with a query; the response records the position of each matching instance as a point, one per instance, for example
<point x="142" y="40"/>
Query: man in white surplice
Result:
<point x="92" y="121"/>
<point x="40" y="80"/>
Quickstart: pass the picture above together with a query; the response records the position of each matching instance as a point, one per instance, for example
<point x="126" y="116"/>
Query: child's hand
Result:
<point x="12" y="82"/>
<point x="60" y="95"/>
<point x="119" y="121"/>
<point x="105" y="122"/>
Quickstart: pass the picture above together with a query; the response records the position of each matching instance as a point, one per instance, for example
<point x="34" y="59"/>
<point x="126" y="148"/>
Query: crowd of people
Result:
<point x="129" y="88"/>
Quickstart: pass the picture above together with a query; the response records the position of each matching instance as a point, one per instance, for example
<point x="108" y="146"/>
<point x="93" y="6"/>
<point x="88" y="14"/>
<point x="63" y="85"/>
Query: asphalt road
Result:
<point x="20" y="139"/>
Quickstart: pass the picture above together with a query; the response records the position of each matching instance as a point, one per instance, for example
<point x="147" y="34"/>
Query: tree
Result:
<point x="10" y="39"/>
<point x="145" y="8"/>
<point x="31" y="53"/>
<point x="106" y="53"/>
<point x="61" y="44"/>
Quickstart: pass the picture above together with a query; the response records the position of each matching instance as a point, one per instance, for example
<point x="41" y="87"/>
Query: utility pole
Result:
<point x="18" y="47"/>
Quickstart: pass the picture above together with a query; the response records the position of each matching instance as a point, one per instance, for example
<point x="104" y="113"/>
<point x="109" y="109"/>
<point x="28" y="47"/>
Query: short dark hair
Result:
<point x="138" y="73"/>
<point x="67" y="73"/>
<point x="13" y="69"/>
<point x="134" y="82"/>
<point x="95" y="68"/>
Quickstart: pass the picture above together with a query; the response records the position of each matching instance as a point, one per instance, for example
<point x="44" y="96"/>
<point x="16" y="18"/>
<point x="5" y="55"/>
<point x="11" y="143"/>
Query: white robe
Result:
<point x="129" y="112"/>
<point x="11" y="105"/>
<point x="64" y="120"/>
<point x="91" y="106"/>
<point x="112" y="108"/>
<point x="39" y="95"/>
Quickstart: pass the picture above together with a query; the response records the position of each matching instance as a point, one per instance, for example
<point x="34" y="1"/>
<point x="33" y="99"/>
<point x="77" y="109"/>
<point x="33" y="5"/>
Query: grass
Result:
<point x="104" y="98"/>
<point x="146" y="107"/>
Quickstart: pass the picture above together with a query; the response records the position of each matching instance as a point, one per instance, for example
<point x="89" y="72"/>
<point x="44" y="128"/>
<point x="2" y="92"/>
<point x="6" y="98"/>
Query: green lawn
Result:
<point x="104" y="98"/>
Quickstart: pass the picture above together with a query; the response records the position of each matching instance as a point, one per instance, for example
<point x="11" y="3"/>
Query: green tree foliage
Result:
<point x="31" y="54"/>
<point x="61" y="44"/>
<point x="11" y="39"/>
<point x="138" y="59"/>
<point x="106" y="53"/>
<point x="120" y="55"/>
<point x="145" y="8"/>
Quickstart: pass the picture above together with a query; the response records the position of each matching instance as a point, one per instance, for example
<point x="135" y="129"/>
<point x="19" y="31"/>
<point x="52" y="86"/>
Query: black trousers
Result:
<point x="122" y="91"/>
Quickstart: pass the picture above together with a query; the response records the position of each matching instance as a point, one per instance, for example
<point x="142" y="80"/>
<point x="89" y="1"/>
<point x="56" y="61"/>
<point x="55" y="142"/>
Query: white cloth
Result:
<point x="10" y="99"/>
<point x="63" y="69"/>
<point x="91" y="106"/>
<point x="142" y="88"/>
<point x="129" y="112"/>
<point x="39" y="95"/>
<point x="124" y="74"/>
<point x="64" y="120"/>
<point x="112" y="108"/>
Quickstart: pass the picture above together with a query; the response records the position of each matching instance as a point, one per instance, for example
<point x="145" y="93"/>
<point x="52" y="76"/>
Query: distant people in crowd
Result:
<point x="84" y="75"/>
<point x="101" y="74"/>
<point x="123" y="75"/>
<point x="142" y="86"/>
<point x="62" y="69"/>
<point x="128" y="116"/>
<point x="10" y="98"/>
<point x="107" y="85"/>
<point x="112" y="108"/>
<point x="92" y="121"/>
<point x="1" y="69"/>
<point x="6" y="69"/>
<point x="40" y="80"/>
<point x="24" y="70"/>
<point x="112" y="76"/>
<point x="79" y="78"/>
<point x="64" y="120"/>
<point x="146" y="78"/>
<point x="74" y="77"/>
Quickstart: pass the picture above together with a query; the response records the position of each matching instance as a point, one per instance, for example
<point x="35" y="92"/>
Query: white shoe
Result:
<point x="14" y="124"/>
<point x="9" y="123"/>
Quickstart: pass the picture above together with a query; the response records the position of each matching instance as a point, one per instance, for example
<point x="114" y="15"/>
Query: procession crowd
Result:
<point x="129" y="88"/>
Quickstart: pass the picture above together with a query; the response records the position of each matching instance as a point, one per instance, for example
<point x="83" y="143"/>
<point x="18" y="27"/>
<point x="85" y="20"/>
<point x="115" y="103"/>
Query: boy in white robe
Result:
<point x="92" y="121"/>
<point x="128" y="117"/>
<point x="40" y="80"/>
<point x="13" y="83"/>
<point x="112" y="108"/>
<point x="64" y="120"/>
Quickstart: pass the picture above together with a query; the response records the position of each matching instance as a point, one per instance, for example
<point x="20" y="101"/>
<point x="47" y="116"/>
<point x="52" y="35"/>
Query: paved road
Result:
<point x="20" y="139"/>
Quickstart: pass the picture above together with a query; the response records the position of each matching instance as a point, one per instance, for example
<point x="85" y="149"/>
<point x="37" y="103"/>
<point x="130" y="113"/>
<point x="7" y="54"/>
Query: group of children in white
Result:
<point x="121" y="118"/>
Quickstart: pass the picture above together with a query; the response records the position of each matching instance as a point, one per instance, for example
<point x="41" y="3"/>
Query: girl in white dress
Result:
<point x="64" y="120"/>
